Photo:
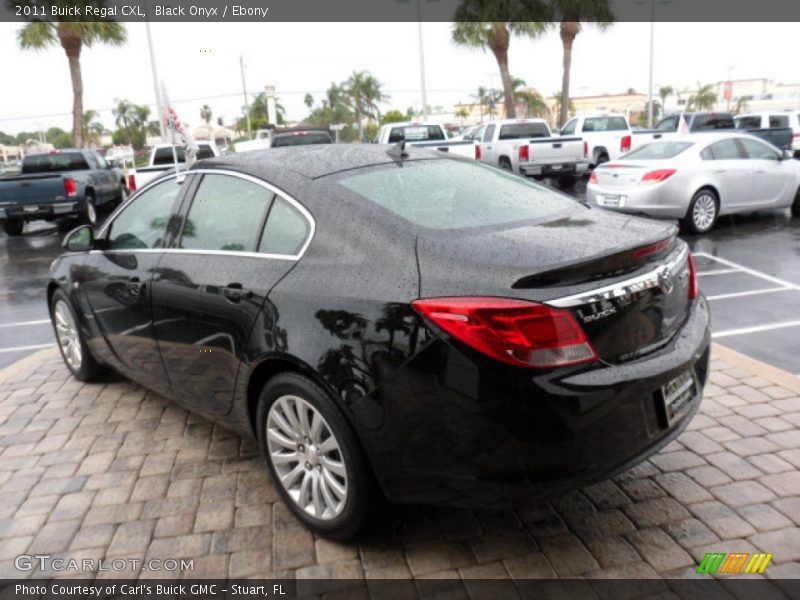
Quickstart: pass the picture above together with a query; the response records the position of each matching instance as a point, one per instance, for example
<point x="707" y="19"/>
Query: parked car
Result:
<point x="286" y="136"/>
<point x="163" y="159"/>
<point x="770" y="121"/>
<point x="605" y="137"/>
<point x="61" y="183"/>
<point x="448" y="332"/>
<point x="527" y="147"/>
<point x="697" y="178"/>
<point x="424" y="135"/>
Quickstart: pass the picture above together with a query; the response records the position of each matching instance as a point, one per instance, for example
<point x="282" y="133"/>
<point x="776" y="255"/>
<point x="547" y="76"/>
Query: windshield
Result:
<point x="658" y="150"/>
<point x="453" y="194"/>
<point x="54" y="163"/>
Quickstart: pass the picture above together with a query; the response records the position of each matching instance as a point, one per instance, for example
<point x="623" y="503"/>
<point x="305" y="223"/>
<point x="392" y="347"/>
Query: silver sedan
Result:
<point x="697" y="178"/>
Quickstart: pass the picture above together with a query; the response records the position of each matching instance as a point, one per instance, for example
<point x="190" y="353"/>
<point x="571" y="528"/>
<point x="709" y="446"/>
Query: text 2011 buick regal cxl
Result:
<point x="395" y="321"/>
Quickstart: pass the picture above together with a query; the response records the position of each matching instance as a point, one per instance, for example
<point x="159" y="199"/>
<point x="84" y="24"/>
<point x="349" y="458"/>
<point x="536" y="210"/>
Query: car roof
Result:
<point x="313" y="161"/>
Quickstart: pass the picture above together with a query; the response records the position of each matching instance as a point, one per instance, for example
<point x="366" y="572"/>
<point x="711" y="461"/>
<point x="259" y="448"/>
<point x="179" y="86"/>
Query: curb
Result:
<point x="756" y="367"/>
<point x="23" y="364"/>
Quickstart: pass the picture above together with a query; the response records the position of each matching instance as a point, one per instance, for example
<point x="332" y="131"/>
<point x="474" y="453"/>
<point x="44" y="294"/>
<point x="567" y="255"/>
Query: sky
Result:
<point x="199" y="63"/>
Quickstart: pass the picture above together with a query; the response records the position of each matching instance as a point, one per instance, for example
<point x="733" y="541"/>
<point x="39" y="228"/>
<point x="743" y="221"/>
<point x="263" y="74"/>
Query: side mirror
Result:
<point x="80" y="239"/>
<point x="786" y="154"/>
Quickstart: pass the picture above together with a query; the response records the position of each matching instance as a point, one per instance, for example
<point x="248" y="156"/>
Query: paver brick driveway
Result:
<point x="110" y="470"/>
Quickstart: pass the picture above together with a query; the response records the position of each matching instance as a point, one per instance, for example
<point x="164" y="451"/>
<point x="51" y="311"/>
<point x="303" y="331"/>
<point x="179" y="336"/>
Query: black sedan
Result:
<point x="393" y="321"/>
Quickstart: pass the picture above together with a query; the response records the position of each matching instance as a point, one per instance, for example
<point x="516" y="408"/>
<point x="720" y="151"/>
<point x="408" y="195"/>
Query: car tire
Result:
<point x="121" y="197"/>
<point x="89" y="216"/>
<point x="567" y="182"/>
<point x="505" y="164"/>
<point x="702" y="212"/>
<point x="335" y="502"/>
<point x="13" y="227"/>
<point x="71" y="344"/>
<point x="796" y="204"/>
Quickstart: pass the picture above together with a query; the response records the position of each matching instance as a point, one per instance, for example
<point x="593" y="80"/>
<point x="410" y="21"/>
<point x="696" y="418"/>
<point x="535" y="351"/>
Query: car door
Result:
<point x="107" y="176"/>
<point x="731" y="173"/>
<point x="487" y="145"/>
<point x="238" y="237"/>
<point x="117" y="282"/>
<point x="772" y="179"/>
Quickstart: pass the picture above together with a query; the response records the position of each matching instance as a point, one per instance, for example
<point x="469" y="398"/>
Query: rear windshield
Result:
<point x="748" y="122"/>
<point x="658" y="150"/>
<point x="204" y="151"/>
<point x="416" y="133"/>
<point x="450" y="194"/>
<point x="706" y="122"/>
<point x="164" y="155"/>
<point x="301" y="139"/>
<point x="604" y="124"/>
<point x="54" y="163"/>
<point x="518" y="131"/>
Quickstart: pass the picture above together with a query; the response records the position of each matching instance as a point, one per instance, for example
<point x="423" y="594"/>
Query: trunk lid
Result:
<point x="620" y="175"/>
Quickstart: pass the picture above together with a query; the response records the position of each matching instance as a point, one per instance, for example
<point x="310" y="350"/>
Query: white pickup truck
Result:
<point x="162" y="160"/>
<point x="605" y="137"/>
<point x="425" y="135"/>
<point x="527" y="147"/>
<point x="302" y="135"/>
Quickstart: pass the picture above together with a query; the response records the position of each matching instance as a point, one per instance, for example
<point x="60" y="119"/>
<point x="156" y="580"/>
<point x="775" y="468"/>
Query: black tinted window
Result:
<point x="286" y="230"/>
<point x="748" y="122"/>
<point x="518" y="131"/>
<point x="54" y="163"/>
<point x="204" y="151"/>
<point x="779" y="120"/>
<point x="706" y="122"/>
<point x="143" y="223"/>
<point x="416" y="133"/>
<point x="301" y="139"/>
<point x="227" y="213"/>
<point x="164" y="156"/>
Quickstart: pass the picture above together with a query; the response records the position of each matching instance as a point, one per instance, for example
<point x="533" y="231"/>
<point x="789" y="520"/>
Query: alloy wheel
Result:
<point x="307" y="457"/>
<point x="91" y="212"/>
<point x="67" y="335"/>
<point x="704" y="212"/>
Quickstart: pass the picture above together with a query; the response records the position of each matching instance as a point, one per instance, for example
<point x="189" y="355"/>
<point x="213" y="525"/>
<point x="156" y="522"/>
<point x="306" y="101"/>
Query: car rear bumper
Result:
<point x="461" y="430"/>
<point x="39" y="211"/>
<point x="654" y="200"/>
<point x="554" y="169"/>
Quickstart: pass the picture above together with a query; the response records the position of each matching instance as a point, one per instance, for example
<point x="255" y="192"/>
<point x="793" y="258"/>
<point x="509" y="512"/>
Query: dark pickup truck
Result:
<point x="780" y="137"/>
<point x="65" y="183"/>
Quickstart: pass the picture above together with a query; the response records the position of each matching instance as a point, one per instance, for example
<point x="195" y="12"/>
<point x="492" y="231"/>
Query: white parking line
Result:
<point x="749" y="293"/>
<point x="755" y="329"/>
<point x="717" y="272"/>
<point x="25" y="323"/>
<point x="754" y="272"/>
<point x="22" y="348"/>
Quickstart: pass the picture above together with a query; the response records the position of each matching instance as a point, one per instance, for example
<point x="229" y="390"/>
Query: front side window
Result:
<point x="756" y="150"/>
<point x="569" y="128"/>
<point x="286" y="230"/>
<point x="143" y="223"/>
<point x="450" y="194"/>
<point x="227" y="214"/>
<point x="668" y="124"/>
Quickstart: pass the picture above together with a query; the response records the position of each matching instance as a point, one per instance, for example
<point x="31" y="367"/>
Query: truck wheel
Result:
<point x="13" y="227"/>
<point x="567" y="182"/>
<point x="796" y="204"/>
<point x="505" y="164"/>
<point x="702" y="212"/>
<point x="90" y="211"/>
<point x="601" y="158"/>
<point x="120" y="197"/>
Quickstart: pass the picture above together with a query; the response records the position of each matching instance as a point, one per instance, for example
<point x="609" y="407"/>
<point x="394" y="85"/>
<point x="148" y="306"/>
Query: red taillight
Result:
<point x="657" y="176"/>
<point x="593" y="177"/>
<point x="652" y="248"/>
<point x="131" y="183"/>
<point x="477" y="151"/>
<point x="625" y="144"/>
<point x="692" y="278"/>
<point x="70" y="187"/>
<point x="515" y="332"/>
<point x="585" y="150"/>
<point x="523" y="153"/>
<point x="795" y="136"/>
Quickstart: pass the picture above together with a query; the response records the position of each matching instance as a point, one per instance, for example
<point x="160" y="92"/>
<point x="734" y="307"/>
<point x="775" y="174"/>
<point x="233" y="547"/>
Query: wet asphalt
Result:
<point x="749" y="268"/>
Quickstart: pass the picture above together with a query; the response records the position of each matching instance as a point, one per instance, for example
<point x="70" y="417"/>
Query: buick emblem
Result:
<point x="665" y="281"/>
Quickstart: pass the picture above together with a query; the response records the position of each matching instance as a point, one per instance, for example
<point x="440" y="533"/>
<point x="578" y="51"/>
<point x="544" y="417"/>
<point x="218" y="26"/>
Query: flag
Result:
<point x="178" y="133"/>
<point x="683" y="126"/>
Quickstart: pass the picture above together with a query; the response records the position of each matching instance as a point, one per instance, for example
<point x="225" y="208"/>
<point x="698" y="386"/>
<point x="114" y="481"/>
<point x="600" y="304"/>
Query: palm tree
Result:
<point x="462" y="113"/>
<point x="665" y="92"/>
<point x="496" y="36"/>
<point x="123" y="115"/>
<point x="206" y="114"/>
<point x="559" y="105"/>
<point x="481" y="97"/>
<point x="704" y="98"/>
<point x="72" y="36"/>
<point x="91" y="128"/>
<point x="532" y="103"/>
<point x="308" y="100"/>
<point x="363" y="92"/>
<point x="741" y="105"/>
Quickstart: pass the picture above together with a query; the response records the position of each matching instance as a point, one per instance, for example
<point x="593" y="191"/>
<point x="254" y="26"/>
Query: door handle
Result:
<point x="235" y="292"/>
<point x="719" y="170"/>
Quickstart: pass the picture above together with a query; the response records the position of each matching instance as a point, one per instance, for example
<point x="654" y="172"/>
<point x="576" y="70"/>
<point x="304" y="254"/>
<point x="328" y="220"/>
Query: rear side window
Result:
<point x="708" y="122"/>
<point x="143" y="223"/>
<point x="748" y="122"/>
<point x="518" y="131"/>
<point x="604" y="124"/>
<point x="416" y="133"/>
<point x="286" y="230"/>
<point x="778" y="121"/>
<point x="227" y="213"/>
<point x="54" y="163"/>
<point x="658" y="150"/>
<point x="164" y="156"/>
<point x="301" y="139"/>
<point x="451" y="194"/>
<point x="722" y="150"/>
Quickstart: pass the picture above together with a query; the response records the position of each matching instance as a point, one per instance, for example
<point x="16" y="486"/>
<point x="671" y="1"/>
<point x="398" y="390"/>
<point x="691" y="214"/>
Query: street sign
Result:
<point x="337" y="126"/>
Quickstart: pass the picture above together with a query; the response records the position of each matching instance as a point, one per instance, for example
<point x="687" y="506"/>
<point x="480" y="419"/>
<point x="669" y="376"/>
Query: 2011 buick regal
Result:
<point x="395" y="320"/>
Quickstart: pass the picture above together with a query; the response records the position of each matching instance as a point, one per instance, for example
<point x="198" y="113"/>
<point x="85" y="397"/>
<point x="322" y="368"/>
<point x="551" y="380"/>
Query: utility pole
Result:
<point x="246" y="103"/>
<point x="650" y="83"/>
<point x="161" y="125"/>
<point x="425" y="112"/>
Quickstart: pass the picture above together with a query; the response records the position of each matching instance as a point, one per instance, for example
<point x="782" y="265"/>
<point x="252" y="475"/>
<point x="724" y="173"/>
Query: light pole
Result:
<point x="246" y="103"/>
<point x="652" y="54"/>
<point x="422" y="65"/>
<point x="162" y="126"/>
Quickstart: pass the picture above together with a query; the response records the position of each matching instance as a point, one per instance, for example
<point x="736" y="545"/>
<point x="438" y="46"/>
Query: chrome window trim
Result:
<point x="274" y="189"/>
<point x="615" y="290"/>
